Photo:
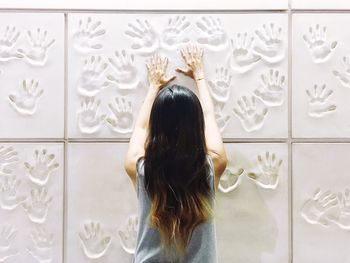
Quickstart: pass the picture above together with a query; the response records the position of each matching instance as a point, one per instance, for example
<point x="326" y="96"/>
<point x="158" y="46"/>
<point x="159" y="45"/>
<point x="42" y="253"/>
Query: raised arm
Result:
<point x="156" y="67"/>
<point x="193" y="56"/>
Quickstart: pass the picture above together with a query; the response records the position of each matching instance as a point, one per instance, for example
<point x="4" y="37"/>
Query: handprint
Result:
<point x="229" y="180"/>
<point x="94" y="243"/>
<point x="7" y="43"/>
<point x="146" y="39"/>
<point x="86" y="37"/>
<point x="88" y="120"/>
<point x="220" y="88"/>
<point x="314" y="210"/>
<point x="272" y="47"/>
<point x="272" y="90"/>
<point x="250" y="116"/>
<point x="243" y="59"/>
<point x="172" y="33"/>
<point x="39" y="45"/>
<point x="9" y="198"/>
<point x="37" y="210"/>
<point x="43" y="241"/>
<point x="214" y="35"/>
<point x="44" y="164"/>
<point x="7" y="235"/>
<point x="344" y="78"/>
<point x="342" y="219"/>
<point x="128" y="236"/>
<point x="8" y="156"/>
<point x="221" y="120"/>
<point x="25" y="102"/>
<point x="318" y="45"/>
<point x="318" y="106"/>
<point x="125" y="72"/>
<point x="268" y="177"/>
<point x="122" y="119"/>
<point x="91" y="80"/>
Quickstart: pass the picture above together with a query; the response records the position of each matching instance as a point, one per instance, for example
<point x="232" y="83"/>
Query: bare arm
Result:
<point x="156" y="67"/>
<point x="193" y="58"/>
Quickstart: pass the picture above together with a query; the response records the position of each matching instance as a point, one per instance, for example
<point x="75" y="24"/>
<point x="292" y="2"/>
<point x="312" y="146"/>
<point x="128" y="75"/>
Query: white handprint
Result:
<point x="128" y="236"/>
<point x="272" y="90"/>
<point x="39" y="46"/>
<point x="37" y="210"/>
<point x="344" y="78"/>
<point x="91" y="80"/>
<point x="314" y="210"/>
<point x="7" y="43"/>
<point x="94" y="243"/>
<point x="8" y="156"/>
<point x="243" y="58"/>
<point x="9" y="198"/>
<point x="124" y="71"/>
<point x="221" y="119"/>
<point x="44" y="164"/>
<point x="43" y="241"/>
<point x="268" y="177"/>
<point x="88" y="119"/>
<point x="25" y="102"/>
<point x="342" y="219"/>
<point x="122" y="118"/>
<point x="318" y="45"/>
<point x="7" y="235"/>
<point x="318" y="105"/>
<point x="220" y="88"/>
<point x="173" y="31"/>
<point x="229" y="180"/>
<point x="146" y="39"/>
<point x="272" y="48"/>
<point x="86" y="37"/>
<point x="215" y="36"/>
<point x="251" y="117"/>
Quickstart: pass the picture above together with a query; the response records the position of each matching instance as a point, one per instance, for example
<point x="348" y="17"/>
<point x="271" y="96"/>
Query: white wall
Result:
<point x="283" y="197"/>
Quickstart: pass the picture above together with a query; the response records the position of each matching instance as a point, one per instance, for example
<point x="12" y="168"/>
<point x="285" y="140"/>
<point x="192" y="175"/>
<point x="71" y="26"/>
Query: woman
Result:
<point x="175" y="159"/>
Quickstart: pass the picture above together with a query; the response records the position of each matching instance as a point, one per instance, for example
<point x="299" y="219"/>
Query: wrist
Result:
<point x="198" y="75"/>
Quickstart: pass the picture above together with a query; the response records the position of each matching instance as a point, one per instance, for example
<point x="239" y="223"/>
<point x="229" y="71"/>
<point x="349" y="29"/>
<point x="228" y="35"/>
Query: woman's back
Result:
<point x="202" y="246"/>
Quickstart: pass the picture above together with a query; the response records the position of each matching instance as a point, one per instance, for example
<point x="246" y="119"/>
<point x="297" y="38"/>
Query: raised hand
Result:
<point x="318" y="105"/>
<point x="37" y="209"/>
<point x="272" y="48"/>
<point x="272" y="90"/>
<point x="314" y="210"/>
<point x="86" y="37"/>
<point x="214" y="36"/>
<point x="268" y="177"/>
<point x="243" y="57"/>
<point x="156" y="67"/>
<point x="229" y="180"/>
<point x="122" y="119"/>
<point x="171" y="35"/>
<point x="88" y="119"/>
<point x="39" y="46"/>
<point x="252" y="118"/>
<point x="7" y="43"/>
<point x="146" y="39"/>
<point x="220" y="88"/>
<point x="91" y="80"/>
<point x="128" y="236"/>
<point x="344" y="78"/>
<point x="25" y="102"/>
<point x="93" y="241"/>
<point x="319" y="47"/>
<point x="193" y="57"/>
<point x="9" y="198"/>
<point x="124" y="74"/>
<point x="44" y="164"/>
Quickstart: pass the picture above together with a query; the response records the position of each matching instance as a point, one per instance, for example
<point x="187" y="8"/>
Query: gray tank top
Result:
<point x="202" y="246"/>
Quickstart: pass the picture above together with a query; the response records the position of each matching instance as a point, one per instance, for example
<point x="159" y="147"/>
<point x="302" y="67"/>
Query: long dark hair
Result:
<point x="176" y="169"/>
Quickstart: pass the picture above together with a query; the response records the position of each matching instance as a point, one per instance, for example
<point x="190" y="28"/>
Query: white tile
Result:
<point x="252" y="218"/>
<point x="325" y="116"/>
<point x="32" y="115"/>
<point x="320" y="222"/>
<point x="320" y="4"/>
<point x="98" y="191"/>
<point x="17" y="211"/>
<point x="246" y="70"/>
